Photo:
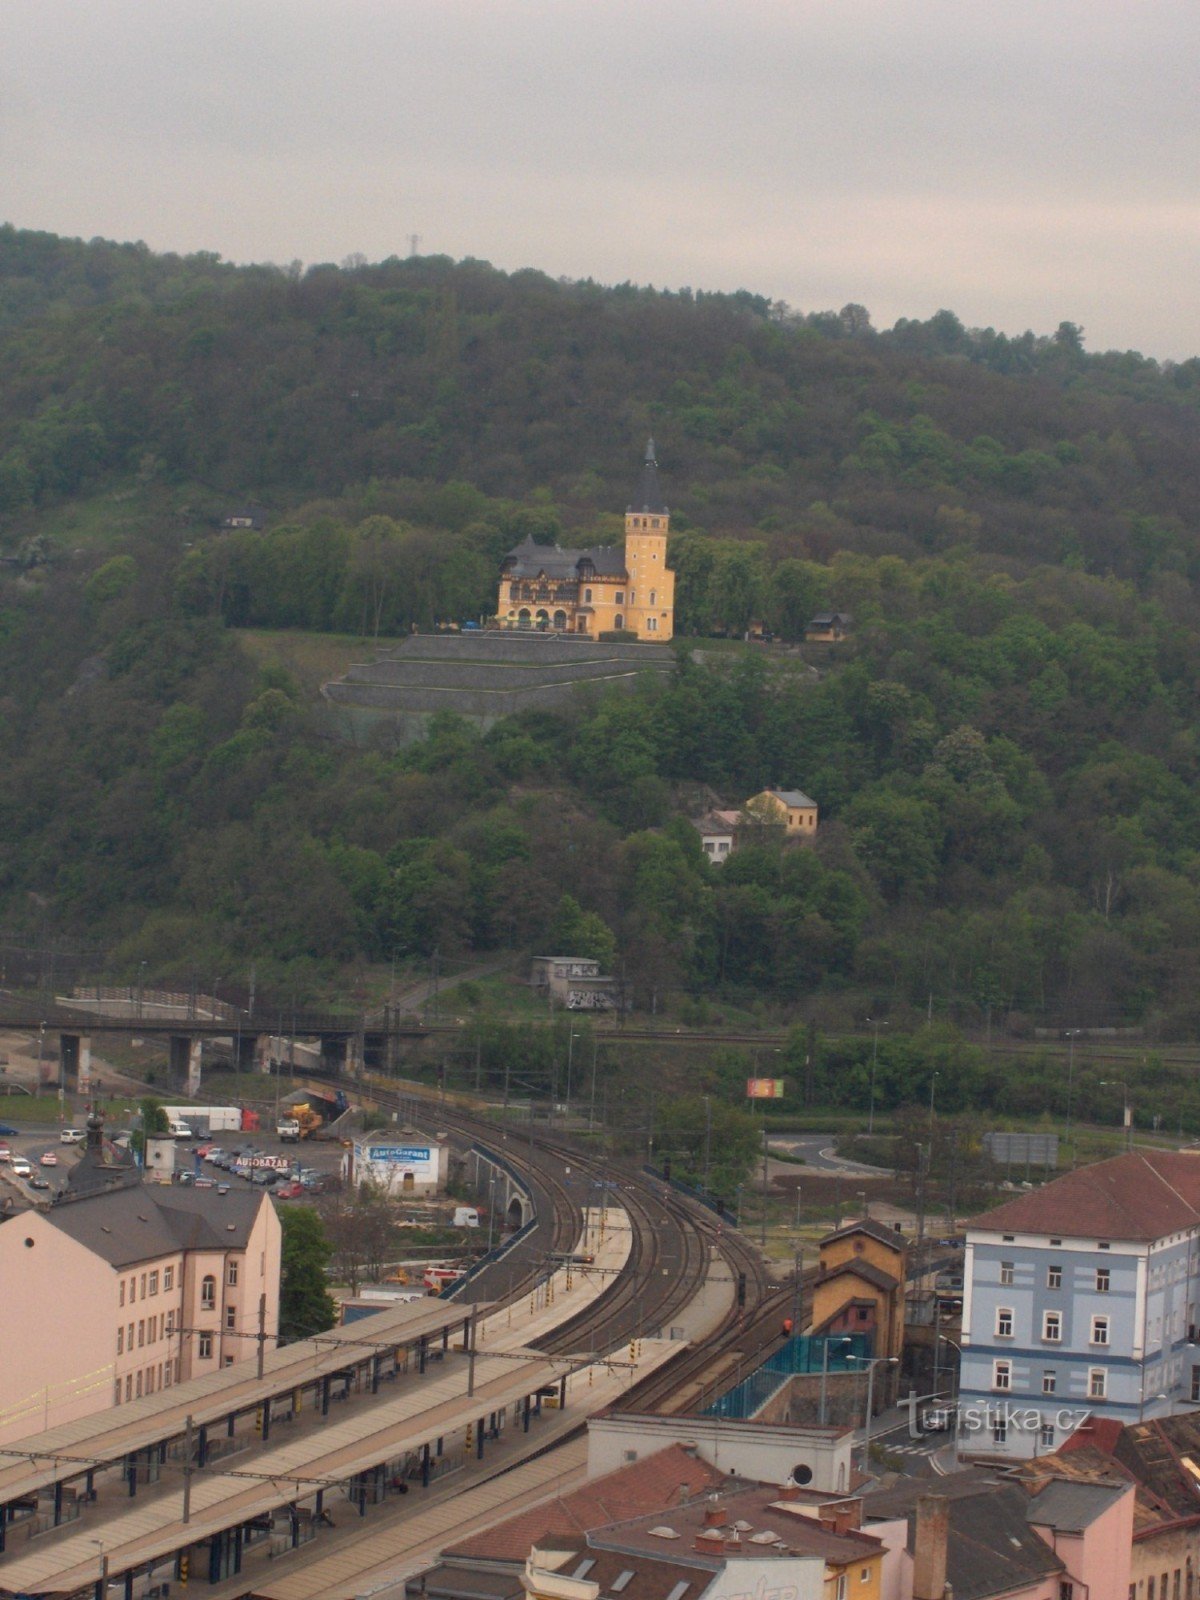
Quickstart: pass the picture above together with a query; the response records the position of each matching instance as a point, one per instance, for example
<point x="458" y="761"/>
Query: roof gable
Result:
<point x="1140" y="1196"/>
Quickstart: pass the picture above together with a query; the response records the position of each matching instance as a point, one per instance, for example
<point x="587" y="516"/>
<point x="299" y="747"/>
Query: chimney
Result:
<point x="930" y="1538"/>
<point x="714" y="1514"/>
<point x="790" y="1490"/>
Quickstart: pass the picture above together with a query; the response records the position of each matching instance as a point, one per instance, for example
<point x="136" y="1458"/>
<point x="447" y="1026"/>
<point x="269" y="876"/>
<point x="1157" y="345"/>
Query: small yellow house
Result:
<point x="860" y="1284"/>
<point x="790" y="809"/>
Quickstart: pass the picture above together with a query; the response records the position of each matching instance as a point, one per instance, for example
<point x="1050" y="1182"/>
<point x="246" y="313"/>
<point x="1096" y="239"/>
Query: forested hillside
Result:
<point x="1006" y="756"/>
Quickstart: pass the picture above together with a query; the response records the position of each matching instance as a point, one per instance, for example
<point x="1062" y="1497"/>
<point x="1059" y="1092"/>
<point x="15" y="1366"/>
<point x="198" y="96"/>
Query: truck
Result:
<point x="317" y="1111"/>
<point x="206" y="1119"/>
<point x="288" y="1130"/>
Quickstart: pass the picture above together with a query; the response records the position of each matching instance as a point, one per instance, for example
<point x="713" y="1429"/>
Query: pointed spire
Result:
<point x="649" y="495"/>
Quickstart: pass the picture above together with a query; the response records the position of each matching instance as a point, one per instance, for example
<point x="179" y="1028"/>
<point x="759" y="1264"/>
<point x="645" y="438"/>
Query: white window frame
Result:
<point x="1002" y="1377"/>
<point x="1097" y="1384"/>
<point x="1049" y="1382"/>
<point x="1004" y="1313"/>
<point x="1007" y="1272"/>
<point x="1051" y="1319"/>
<point x="1101" y="1328"/>
<point x="1103" y="1280"/>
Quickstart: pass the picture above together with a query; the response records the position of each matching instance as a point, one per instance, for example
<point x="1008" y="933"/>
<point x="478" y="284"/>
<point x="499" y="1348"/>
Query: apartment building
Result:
<point x="119" y="1293"/>
<point x="1080" y="1299"/>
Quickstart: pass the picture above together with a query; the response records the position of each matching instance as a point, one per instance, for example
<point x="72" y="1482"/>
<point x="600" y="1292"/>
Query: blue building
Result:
<point x="1080" y="1298"/>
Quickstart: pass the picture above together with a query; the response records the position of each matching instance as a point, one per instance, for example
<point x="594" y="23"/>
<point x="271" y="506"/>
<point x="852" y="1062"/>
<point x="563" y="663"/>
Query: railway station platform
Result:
<point x="338" y="1426"/>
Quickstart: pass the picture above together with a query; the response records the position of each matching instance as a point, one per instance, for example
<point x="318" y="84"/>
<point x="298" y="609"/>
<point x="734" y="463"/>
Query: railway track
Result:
<point x="675" y="1244"/>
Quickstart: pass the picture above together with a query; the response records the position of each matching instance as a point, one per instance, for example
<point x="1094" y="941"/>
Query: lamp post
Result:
<point x="1072" y="1035"/>
<point x="592" y="1099"/>
<point x="102" y="1585"/>
<point x="841" y="1343"/>
<point x="571" y="1038"/>
<point x="871" y="1362"/>
<point x="932" y="1087"/>
<point x="1127" y="1109"/>
<point x="876" y="1024"/>
<point x="943" y="1339"/>
<point x="707" y="1139"/>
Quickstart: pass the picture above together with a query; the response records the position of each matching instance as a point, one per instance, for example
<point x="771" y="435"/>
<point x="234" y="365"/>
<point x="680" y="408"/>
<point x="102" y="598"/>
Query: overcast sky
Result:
<point x="1020" y="162"/>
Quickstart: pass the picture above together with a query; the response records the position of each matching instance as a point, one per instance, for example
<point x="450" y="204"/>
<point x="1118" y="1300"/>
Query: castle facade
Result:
<point x="608" y="588"/>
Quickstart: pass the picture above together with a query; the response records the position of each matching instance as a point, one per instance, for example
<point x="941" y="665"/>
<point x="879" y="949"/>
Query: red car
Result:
<point x="289" y="1191"/>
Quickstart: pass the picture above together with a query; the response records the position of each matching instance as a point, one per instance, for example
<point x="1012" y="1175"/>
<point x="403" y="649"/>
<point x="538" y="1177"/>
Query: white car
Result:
<point x="71" y="1136"/>
<point x="21" y="1168"/>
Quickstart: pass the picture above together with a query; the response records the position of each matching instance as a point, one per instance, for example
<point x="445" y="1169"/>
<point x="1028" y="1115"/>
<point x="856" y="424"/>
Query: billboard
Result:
<point x="1022" y="1149"/>
<point x="764" y="1088"/>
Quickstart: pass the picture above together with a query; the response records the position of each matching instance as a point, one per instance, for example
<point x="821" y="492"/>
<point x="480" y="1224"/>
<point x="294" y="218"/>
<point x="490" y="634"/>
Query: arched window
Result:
<point x="560" y="620"/>
<point x="523" y="620"/>
<point x="653" y="598"/>
<point x="208" y="1292"/>
<point x="618" y="621"/>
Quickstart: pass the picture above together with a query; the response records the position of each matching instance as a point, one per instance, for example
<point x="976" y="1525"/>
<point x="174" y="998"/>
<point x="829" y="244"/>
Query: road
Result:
<point x="816" y="1151"/>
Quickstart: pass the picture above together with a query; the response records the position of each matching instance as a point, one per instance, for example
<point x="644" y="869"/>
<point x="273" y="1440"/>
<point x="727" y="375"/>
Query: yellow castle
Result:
<point x="546" y="589"/>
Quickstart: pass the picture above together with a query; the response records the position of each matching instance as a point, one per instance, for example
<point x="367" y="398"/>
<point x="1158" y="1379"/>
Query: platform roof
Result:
<point x="33" y="1463"/>
<point x="224" y="1497"/>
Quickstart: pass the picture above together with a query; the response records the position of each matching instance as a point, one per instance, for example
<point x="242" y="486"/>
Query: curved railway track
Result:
<point x="673" y="1245"/>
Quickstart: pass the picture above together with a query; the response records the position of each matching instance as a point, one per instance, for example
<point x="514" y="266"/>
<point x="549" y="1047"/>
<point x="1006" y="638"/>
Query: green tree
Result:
<point x="305" y="1304"/>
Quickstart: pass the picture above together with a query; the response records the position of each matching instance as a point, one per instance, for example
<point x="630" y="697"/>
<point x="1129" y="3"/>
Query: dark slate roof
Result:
<point x="1071" y="1507"/>
<point x="528" y="560"/>
<point x="795" y="798"/>
<point x="877" y="1230"/>
<point x="102" y="1166"/>
<point x="992" y="1549"/>
<point x="863" y="1270"/>
<point x="1139" y="1196"/>
<point x="648" y="495"/>
<point x="125" y="1226"/>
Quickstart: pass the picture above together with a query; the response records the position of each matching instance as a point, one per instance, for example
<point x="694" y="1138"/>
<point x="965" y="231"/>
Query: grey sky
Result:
<point x="1018" y="161"/>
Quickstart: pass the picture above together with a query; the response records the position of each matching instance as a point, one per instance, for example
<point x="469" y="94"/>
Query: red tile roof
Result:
<point x="1140" y="1196"/>
<point x="654" y="1483"/>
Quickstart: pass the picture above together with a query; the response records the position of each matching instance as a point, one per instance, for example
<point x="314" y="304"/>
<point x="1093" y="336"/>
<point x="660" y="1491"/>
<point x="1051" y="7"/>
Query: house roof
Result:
<point x="991" y="1547"/>
<point x="528" y="559"/>
<point x="877" y="1230"/>
<point x="656" y="1481"/>
<point x="864" y="1271"/>
<point x="651" y="1576"/>
<point x="825" y="619"/>
<point x="763" y="1524"/>
<point x="125" y="1226"/>
<point x="1161" y="1456"/>
<point x="796" y="799"/>
<point x="1140" y="1196"/>
<point x="716" y="822"/>
<point x="1070" y="1506"/>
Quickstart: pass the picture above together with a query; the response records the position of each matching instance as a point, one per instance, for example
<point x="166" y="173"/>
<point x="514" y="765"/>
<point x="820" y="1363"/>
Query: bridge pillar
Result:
<point x="185" y="1063"/>
<point x="244" y="1051"/>
<point x="352" y="1059"/>
<point x="75" y="1061"/>
<point x="333" y="1053"/>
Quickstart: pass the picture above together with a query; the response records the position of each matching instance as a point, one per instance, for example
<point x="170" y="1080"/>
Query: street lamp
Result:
<point x="871" y="1362"/>
<point x="1115" y="1083"/>
<point x="102" y="1586"/>
<point x="876" y="1024"/>
<point x="707" y="1138"/>
<point x="932" y="1087"/>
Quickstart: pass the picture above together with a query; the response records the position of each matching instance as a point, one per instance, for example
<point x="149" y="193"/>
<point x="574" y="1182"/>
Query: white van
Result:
<point x="466" y="1217"/>
<point x="179" y="1130"/>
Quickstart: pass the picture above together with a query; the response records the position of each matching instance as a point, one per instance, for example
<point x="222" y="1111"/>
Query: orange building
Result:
<point x="603" y="589"/>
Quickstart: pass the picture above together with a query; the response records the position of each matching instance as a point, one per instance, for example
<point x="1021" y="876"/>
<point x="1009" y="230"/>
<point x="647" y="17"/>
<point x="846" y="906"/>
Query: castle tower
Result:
<point x="650" y="602"/>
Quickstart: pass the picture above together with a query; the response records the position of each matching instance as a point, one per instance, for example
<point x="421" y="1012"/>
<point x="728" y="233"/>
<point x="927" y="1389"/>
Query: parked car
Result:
<point x="49" y="1159"/>
<point x="214" y="1155"/>
<point x="5" y="1153"/>
<point x="293" y="1189"/>
<point x="9" y="1133"/>
<point x="71" y="1136"/>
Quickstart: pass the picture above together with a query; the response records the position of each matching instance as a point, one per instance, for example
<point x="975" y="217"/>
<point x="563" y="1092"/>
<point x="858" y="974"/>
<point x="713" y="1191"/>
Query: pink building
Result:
<point x="114" y="1294"/>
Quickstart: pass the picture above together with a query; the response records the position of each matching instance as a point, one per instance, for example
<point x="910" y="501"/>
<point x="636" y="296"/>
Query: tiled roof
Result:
<point x="1140" y="1196"/>
<point x="1162" y="1456"/>
<point x="795" y="798"/>
<point x="655" y="1482"/>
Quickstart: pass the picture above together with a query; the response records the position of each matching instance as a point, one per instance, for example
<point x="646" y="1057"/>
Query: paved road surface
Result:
<point x="816" y="1150"/>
